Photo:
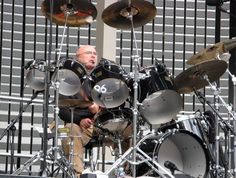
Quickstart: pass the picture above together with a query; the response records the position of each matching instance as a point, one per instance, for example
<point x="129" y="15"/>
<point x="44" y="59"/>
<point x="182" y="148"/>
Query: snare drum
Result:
<point x="160" y="102"/>
<point x="109" y="88"/>
<point x="181" y="147"/>
<point x="70" y="77"/>
<point x="115" y="120"/>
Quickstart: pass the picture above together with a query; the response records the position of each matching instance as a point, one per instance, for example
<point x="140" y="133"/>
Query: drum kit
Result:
<point x="171" y="145"/>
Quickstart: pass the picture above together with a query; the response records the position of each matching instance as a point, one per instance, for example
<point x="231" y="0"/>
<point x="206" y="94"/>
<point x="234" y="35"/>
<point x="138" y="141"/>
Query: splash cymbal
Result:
<point x="81" y="12"/>
<point x="117" y="15"/>
<point x="193" y="78"/>
<point x="211" y="52"/>
<point x="74" y="103"/>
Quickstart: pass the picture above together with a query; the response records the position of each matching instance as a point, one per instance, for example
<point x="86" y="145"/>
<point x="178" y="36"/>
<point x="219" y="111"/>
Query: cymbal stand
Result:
<point x="226" y="57"/>
<point x="143" y="156"/>
<point x="57" y="84"/>
<point x="54" y="155"/>
<point x="128" y="13"/>
<point x="224" y="125"/>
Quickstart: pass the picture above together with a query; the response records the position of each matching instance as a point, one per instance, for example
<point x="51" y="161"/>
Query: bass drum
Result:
<point x="109" y="88"/>
<point x="181" y="147"/>
<point x="160" y="102"/>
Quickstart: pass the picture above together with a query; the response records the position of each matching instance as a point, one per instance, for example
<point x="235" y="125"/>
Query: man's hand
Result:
<point x="94" y="108"/>
<point x="86" y="123"/>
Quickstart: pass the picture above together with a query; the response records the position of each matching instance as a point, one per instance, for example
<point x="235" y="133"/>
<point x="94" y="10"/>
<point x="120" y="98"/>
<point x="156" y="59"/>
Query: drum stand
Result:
<point x="54" y="155"/>
<point x="226" y="127"/>
<point x="128" y="13"/>
<point x="226" y="57"/>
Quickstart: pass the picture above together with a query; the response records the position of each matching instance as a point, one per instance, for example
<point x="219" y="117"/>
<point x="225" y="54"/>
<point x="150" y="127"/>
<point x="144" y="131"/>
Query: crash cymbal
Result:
<point x="117" y="15"/>
<point x="74" y="103"/>
<point x="193" y="78"/>
<point x="81" y="12"/>
<point x="211" y="52"/>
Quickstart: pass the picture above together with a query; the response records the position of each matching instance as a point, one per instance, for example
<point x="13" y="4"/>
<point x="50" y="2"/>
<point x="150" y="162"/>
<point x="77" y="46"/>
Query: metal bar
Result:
<point x="121" y="47"/>
<point x="153" y="35"/>
<point x="22" y="81"/>
<point x="173" y="45"/>
<point x="10" y="75"/>
<point x="1" y="34"/>
<point x="142" y="46"/>
<point x="184" y="42"/>
<point x="163" y="30"/>
<point x="20" y="99"/>
<point x="232" y="85"/>
<point x="195" y="42"/>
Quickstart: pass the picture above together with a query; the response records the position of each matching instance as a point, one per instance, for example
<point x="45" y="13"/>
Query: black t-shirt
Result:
<point x="79" y="113"/>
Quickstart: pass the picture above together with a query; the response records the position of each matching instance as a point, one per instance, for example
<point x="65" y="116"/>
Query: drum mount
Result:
<point x="135" y="151"/>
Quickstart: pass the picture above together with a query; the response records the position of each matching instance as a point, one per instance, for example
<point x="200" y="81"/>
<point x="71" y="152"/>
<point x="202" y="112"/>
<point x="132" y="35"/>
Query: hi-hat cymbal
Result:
<point x="211" y="52"/>
<point x="193" y="78"/>
<point x="81" y="12"/>
<point x="74" y="103"/>
<point x="117" y="15"/>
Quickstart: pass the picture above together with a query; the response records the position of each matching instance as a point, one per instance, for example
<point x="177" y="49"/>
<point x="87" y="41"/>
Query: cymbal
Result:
<point x="74" y="103"/>
<point x="117" y="15"/>
<point x="211" y="52"/>
<point x="81" y="12"/>
<point x="193" y="78"/>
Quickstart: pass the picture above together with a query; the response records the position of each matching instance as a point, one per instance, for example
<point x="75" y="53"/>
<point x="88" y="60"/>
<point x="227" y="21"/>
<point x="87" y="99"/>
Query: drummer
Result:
<point x="83" y="117"/>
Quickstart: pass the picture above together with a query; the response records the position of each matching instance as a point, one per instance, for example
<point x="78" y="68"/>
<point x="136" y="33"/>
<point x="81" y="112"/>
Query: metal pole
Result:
<point x="232" y="84"/>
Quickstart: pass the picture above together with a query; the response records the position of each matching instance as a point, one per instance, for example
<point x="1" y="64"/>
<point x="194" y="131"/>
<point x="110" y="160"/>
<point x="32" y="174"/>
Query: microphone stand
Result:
<point x="11" y="127"/>
<point x="43" y="164"/>
<point x="233" y="148"/>
<point x="226" y="127"/>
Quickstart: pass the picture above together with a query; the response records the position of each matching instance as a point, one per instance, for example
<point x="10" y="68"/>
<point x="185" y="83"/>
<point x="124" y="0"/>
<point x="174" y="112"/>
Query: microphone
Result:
<point x="215" y="2"/>
<point x="171" y="166"/>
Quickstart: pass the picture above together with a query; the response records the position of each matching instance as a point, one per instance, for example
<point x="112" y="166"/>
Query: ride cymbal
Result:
<point x="81" y="12"/>
<point x="74" y="103"/>
<point x="193" y="78"/>
<point x="118" y="15"/>
<point x="211" y="52"/>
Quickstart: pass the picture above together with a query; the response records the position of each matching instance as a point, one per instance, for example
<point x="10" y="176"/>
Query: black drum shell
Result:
<point x="109" y="84"/>
<point x="159" y="79"/>
<point x="76" y="67"/>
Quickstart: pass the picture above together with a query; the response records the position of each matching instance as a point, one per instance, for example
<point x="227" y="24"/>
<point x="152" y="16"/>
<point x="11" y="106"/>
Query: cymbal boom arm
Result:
<point x="216" y="92"/>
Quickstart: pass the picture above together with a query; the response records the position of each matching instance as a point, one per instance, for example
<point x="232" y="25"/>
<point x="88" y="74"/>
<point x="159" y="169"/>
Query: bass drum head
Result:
<point x="69" y="77"/>
<point x="183" y="148"/>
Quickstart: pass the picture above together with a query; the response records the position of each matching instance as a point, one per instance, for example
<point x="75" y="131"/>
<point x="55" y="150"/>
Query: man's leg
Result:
<point x="81" y="138"/>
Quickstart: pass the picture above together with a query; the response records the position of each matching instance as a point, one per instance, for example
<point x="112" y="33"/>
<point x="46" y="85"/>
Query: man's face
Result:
<point x="87" y="55"/>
